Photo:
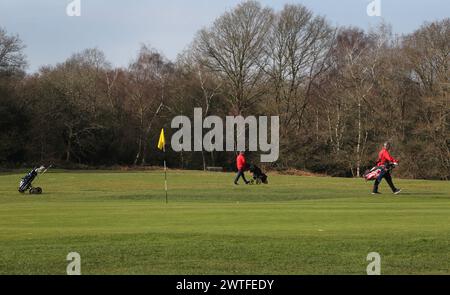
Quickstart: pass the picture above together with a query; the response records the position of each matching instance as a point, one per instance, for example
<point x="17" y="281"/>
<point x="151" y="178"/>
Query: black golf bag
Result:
<point x="26" y="183"/>
<point x="258" y="176"/>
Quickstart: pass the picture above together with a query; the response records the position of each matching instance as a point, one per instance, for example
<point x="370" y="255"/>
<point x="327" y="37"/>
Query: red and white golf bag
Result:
<point x="373" y="173"/>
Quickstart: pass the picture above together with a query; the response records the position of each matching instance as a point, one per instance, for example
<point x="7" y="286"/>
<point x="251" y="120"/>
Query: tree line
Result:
<point x="340" y="92"/>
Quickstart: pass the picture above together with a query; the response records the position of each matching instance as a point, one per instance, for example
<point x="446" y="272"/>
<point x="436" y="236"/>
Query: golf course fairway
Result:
<point x="119" y="223"/>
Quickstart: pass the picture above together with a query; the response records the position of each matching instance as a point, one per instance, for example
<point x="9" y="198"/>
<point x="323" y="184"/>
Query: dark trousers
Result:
<point x="239" y="175"/>
<point x="386" y="175"/>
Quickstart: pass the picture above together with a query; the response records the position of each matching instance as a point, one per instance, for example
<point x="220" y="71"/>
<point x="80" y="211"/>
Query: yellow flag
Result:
<point x="162" y="141"/>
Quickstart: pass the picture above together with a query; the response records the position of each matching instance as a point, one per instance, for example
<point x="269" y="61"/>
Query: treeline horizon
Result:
<point x="340" y="93"/>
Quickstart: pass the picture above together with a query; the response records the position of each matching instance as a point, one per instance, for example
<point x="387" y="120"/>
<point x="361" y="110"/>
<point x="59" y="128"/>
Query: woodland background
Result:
<point x="340" y="93"/>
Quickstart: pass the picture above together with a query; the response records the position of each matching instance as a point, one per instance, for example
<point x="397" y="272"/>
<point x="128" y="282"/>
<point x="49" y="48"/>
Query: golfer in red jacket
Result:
<point x="241" y="165"/>
<point x="384" y="161"/>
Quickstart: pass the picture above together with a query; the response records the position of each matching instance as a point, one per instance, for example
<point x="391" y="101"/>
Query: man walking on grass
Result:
<point x="241" y="165"/>
<point x="385" y="162"/>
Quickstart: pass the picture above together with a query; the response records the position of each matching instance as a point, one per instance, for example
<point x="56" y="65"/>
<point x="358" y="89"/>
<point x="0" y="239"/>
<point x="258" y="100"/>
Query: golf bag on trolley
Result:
<point x="26" y="183"/>
<point x="258" y="176"/>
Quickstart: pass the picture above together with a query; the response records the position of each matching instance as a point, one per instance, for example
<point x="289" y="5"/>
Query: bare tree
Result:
<point x="198" y="85"/>
<point x="79" y="80"/>
<point x="428" y="55"/>
<point x="233" y="48"/>
<point x="357" y="59"/>
<point x="149" y="76"/>
<point x="11" y="52"/>
<point x="299" y="47"/>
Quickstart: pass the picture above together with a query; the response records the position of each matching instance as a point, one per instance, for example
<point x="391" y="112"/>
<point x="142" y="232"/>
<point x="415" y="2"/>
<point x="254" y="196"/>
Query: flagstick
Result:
<point x="165" y="175"/>
<point x="162" y="146"/>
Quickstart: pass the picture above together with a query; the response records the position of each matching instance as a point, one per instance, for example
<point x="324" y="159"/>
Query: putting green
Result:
<point x="120" y="224"/>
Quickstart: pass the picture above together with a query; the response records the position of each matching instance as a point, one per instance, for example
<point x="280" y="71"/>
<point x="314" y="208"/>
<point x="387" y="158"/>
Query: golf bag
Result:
<point x="258" y="176"/>
<point x="26" y="183"/>
<point x="375" y="172"/>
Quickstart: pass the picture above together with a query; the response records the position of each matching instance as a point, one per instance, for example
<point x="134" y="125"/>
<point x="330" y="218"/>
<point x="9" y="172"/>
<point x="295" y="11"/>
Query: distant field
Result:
<point x="120" y="224"/>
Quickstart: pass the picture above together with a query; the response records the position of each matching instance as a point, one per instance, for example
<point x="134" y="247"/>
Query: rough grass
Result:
<point x="120" y="224"/>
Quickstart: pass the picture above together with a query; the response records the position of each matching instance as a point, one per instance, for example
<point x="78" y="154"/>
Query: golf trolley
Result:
<point x="26" y="183"/>
<point x="259" y="176"/>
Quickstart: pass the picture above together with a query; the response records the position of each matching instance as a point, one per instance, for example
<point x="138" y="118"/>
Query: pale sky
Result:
<point x="118" y="28"/>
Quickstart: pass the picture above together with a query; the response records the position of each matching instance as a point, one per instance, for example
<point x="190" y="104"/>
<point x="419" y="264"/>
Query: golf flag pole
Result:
<point x="162" y="146"/>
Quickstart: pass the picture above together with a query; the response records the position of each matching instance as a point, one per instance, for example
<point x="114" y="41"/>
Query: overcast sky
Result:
<point x="120" y="27"/>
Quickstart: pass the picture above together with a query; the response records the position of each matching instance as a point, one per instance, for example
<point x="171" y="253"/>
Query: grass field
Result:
<point x="120" y="224"/>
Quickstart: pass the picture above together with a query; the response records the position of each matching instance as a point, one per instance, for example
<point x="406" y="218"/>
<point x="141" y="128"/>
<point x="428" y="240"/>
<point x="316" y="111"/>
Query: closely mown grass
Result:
<point x="120" y="224"/>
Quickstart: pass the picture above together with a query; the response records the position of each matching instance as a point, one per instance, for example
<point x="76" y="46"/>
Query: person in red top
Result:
<point x="241" y="165"/>
<point x="384" y="161"/>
